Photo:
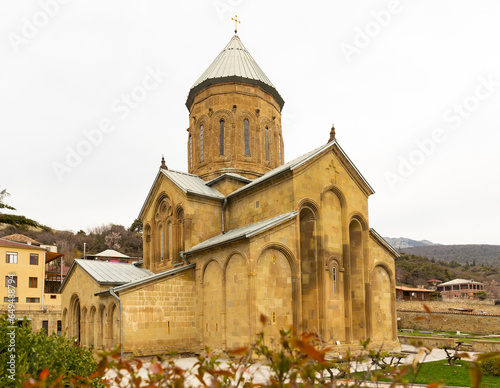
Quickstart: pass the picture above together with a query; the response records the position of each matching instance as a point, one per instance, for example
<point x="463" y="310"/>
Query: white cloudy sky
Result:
<point x="418" y="76"/>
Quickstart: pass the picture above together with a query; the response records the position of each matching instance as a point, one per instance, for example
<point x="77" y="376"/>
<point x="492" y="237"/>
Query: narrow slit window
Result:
<point x="201" y="143"/>
<point x="334" y="280"/>
<point x="246" y="137"/>
<point x="279" y="150"/>
<point x="190" y="151"/>
<point x="267" y="144"/>
<point x="221" y="140"/>
<point x="168" y="327"/>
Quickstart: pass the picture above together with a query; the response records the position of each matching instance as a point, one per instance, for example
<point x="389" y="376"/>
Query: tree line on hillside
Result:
<point x="480" y="254"/>
<point x="110" y="236"/>
<point x="413" y="270"/>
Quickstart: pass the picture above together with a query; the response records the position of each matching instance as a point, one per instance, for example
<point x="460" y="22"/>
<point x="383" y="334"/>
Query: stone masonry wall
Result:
<point x="450" y="321"/>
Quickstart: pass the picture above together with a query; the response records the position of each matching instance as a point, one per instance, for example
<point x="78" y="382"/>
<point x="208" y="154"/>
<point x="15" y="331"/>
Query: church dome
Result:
<point x="234" y="63"/>
<point x="234" y="118"/>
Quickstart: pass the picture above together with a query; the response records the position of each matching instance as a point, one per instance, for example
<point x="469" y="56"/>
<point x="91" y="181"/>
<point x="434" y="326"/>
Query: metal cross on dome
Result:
<point x="236" y="21"/>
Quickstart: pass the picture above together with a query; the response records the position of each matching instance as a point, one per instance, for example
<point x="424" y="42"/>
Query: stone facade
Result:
<point x="245" y="234"/>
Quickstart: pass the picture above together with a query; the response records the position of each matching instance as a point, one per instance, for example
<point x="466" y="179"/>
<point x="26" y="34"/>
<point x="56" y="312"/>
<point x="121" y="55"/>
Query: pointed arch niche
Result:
<point x="383" y="303"/>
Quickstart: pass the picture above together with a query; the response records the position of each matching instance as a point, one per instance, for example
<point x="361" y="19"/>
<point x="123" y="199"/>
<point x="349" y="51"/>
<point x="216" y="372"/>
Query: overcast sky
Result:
<point x="93" y="93"/>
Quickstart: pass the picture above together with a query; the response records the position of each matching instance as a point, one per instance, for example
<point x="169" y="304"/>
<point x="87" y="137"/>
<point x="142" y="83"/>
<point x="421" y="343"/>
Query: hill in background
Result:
<point x="463" y="254"/>
<point x="480" y="254"/>
<point x="404" y="242"/>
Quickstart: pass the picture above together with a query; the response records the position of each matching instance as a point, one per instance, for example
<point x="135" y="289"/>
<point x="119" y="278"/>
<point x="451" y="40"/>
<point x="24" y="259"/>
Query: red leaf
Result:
<point x="44" y="374"/>
<point x="156" y="368"/>
<point x="309" y="350"/>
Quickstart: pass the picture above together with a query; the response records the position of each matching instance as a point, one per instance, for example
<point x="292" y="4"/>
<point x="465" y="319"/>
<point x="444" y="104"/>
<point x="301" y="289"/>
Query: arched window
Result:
<point x="334" y="280"/>
<point x="201" y="143"/>
<point x="171" y="242"/>
<point x="246" y="135"/>
<point x="267" y="144"/>
<point x="190" y="151"/>
<point x="162" y="243"/>
<point x="180" y="233"/>
<point x="221" y="140"/>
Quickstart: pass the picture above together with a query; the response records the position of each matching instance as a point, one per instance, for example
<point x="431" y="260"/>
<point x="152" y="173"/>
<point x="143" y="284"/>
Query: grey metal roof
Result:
<point x="234" y="60"/>
<point x="110" y="273"/>
<point x="192" y="184"/>
<point x="458" y="281"/>
<point x="295" y="163"/>
<point x="150" y="278"/>
<point x="234" y="63"/>
<point x="240" y="233"/>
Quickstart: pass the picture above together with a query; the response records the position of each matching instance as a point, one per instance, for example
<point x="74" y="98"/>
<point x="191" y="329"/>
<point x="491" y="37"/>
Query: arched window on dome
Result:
<point x="201" y="143"/>
<point x="246" y="136"/>
<point x="221" y="140"/>
<point x="267" y="144"/>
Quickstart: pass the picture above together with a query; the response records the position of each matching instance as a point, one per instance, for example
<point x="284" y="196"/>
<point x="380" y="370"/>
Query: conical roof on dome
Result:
<point x="234" y="63"/>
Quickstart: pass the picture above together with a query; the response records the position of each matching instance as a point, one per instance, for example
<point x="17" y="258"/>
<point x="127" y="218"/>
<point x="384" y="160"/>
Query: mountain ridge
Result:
<point x="480" y="254"/>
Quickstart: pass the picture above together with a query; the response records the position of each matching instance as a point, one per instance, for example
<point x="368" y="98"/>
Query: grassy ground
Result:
<point x="451" y="375"/>
<point x="450" y="334"/>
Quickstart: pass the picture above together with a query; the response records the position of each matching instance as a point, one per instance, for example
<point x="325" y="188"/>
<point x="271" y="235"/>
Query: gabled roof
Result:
<point x="105" y="273"/>
<point x="192" y="184"/>
<point x="382" y="241"/>
<point x="230" y="175"/>
<point x="7" y="243"/>
<point x="297" y="162"/>
<point x="234" y="63"/>
<point x="111" y="253"/>
<point x="403" y="288"/>
<point x="241" y="233"/>
<point x="20" y="238"/>
<point x="188" y="183"/>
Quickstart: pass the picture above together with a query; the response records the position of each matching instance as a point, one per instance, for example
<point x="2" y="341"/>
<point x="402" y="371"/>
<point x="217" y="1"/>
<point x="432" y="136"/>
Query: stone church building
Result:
<point x="242" y="234"/>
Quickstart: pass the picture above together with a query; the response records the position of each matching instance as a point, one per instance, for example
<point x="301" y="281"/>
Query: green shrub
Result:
<point x="36" y="351"/>
<point x="490" y="365"/>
